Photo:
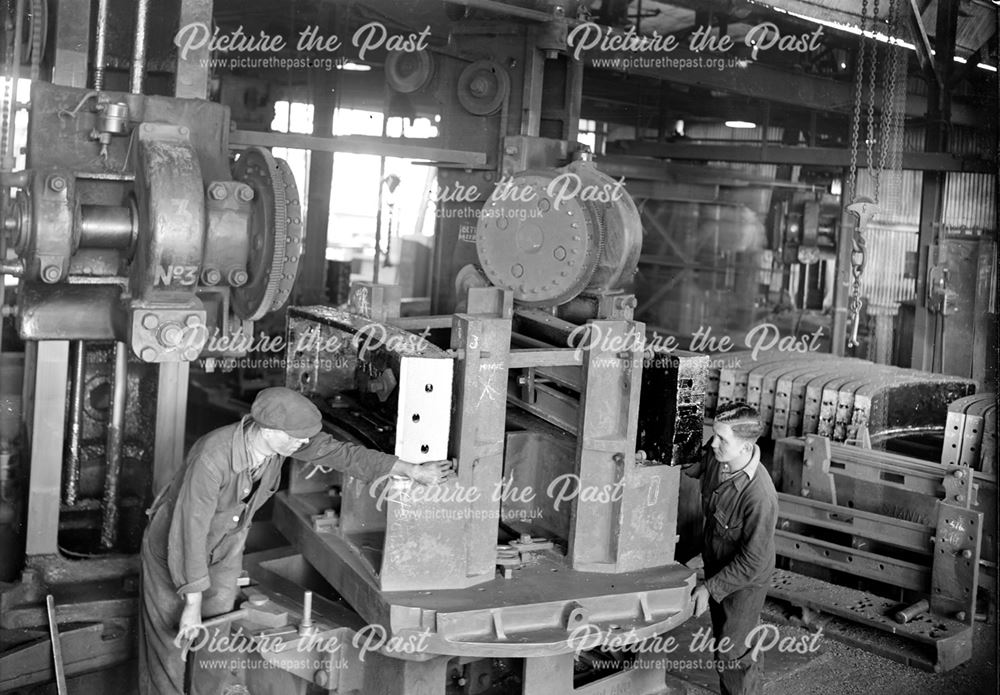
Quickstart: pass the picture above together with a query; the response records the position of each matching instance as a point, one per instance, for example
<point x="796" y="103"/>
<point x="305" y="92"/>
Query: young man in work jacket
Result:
<point x="192" y="550"/>
<point x="741" y="509"/>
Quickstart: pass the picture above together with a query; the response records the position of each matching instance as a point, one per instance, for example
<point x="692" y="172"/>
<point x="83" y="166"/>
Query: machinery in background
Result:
<point x="139" y="247"/>
<point x="806" y="228"/>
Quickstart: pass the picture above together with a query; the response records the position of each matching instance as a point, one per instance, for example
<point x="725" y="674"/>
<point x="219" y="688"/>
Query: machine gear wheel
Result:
<point x="276" y="234"/>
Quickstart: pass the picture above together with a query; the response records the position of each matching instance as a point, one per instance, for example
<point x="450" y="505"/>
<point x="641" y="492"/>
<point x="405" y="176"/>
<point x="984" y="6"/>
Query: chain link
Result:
<point x="866" y="68"/>
<point x="852" y="177"/>
<point x="888" y="121"/>
<point x="873" y="173"/>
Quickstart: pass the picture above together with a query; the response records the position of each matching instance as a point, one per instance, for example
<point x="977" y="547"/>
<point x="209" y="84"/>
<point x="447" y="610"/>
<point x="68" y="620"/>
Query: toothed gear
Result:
<point x="275" y="234"/>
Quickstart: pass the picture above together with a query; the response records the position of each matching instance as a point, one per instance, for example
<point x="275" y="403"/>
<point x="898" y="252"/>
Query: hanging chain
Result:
<point x="873" y="173"/>
<point x="887" y="140"/>
<point x="852" y="176"/>
<point x="866" y="59"/>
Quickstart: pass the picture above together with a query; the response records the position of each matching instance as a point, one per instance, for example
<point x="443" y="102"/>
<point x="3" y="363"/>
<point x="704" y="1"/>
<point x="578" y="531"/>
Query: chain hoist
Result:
<point x="864" y="207"/>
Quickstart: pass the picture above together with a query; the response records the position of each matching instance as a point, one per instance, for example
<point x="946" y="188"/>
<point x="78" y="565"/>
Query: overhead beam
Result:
<point x="359" y="144"/>
<point x="805" y="156"/>
<point x="766" y="83"/>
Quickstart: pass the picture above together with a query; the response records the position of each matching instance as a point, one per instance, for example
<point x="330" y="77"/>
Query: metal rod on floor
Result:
<point x="50" y="608"/>
<point x="109" y="518"/>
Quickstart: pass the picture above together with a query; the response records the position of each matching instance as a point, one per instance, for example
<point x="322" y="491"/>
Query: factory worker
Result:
<point x="741" y="508"/>
<point x="192" y="550"/>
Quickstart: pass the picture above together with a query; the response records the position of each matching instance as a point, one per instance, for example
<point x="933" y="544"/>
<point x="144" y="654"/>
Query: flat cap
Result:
<point x="279" y="408"/>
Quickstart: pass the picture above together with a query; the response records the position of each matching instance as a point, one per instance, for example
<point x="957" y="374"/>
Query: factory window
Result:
<point x="294" y="118"/>
<point x="357" y="182"/>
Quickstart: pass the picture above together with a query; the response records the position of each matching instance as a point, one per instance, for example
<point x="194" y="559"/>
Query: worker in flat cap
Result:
<point x="192" y="550"/>
<point x="741" y="508"/>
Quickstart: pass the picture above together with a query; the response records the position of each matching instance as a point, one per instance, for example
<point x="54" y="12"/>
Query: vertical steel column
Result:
<point x="113" y="452"/>
<point x="48" y="422"/>
<point x="624" y="515"/>
<point x="172" y="385"/>
<point x="137" y="77"/>
<point x="311" y="282"/>
<point x="939" y="85"/>
<point x="171" y="405"/>
<point x="191" y="78"/>
<point x="71" y="468"/>
<point x="478" y="430"/>
<point x="100" y="50"/>
<point x="531" y="97"/>
<point x="72" y="43"/>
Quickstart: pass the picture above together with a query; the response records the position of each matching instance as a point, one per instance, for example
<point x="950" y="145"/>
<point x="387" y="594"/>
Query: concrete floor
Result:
<point x="839" y="669"/>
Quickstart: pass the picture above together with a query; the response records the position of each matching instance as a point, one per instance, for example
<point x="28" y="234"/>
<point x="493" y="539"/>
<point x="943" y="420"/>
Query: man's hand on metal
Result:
<point x="700" y="597"/>
<point x="431" y="472"/>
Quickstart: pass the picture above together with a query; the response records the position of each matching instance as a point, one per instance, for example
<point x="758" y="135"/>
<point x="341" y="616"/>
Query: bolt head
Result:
<point x="321" y="678"/>
<point x="245" y="193"/>
<point x="147" y="354"/>
<point x="238" y="277"/>
<point x="170" y="334"/>
<point x="217" y="191"/>
<point x="51" y="273"/>
<point x="211" y="276"/>
<point x="192" y="320"/>
<point x="150" y="321"/>
<point x="57" y="183"/>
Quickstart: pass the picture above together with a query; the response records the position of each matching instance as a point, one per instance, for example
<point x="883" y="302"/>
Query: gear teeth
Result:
<point x="286" y="225"/>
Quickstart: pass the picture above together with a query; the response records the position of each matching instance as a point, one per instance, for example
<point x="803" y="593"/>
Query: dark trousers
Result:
<point x="161" y="670"/>
<point x="734" y="618"/>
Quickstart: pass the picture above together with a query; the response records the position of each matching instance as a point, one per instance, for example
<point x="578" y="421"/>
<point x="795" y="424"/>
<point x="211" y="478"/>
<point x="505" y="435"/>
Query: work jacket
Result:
<point x="201" y="518"/>
<point x="740" y="517"/>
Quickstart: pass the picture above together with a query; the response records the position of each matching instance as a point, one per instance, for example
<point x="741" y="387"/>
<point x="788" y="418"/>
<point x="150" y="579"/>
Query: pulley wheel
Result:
<point x="482" y="87"/>
<point x="409" y="72"/>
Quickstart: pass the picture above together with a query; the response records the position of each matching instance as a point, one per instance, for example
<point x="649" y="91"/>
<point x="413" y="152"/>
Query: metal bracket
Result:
<point x="817" y="481"/>
<point x="955" y="572"/>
